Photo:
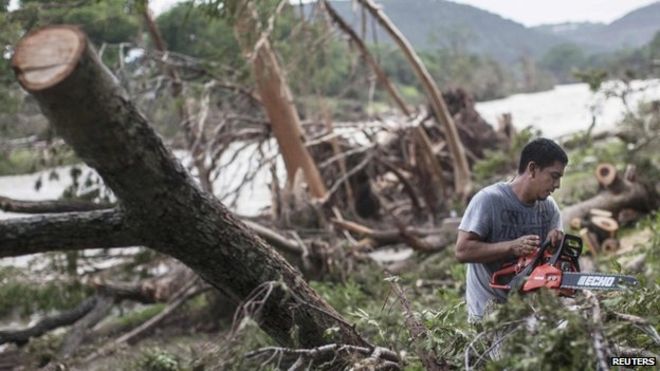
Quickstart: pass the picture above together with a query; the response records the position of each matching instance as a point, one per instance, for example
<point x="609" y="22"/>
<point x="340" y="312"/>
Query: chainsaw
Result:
<point x="559" y="270"/>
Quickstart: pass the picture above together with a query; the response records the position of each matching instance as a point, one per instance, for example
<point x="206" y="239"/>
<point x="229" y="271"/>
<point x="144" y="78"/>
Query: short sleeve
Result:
<point x="478" y="215"/>
<point x="556" y="222"/>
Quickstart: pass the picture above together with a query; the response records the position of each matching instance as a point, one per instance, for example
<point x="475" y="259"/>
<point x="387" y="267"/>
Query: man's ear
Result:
<point x="532" y="167"/>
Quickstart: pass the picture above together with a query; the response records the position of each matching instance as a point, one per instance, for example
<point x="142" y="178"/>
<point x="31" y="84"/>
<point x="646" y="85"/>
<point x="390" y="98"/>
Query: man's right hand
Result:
<point x="525" y="245"/>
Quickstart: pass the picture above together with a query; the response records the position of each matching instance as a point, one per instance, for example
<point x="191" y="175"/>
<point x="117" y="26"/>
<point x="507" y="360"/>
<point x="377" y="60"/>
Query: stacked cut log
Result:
<point x="621" y="200"/>
<point x="598" y="231"/>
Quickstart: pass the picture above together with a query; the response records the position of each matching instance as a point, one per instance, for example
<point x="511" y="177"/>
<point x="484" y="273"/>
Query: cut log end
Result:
<point x="606" y="174"/>
<point x="606" y="224"/>
<point x="47" y="56"/>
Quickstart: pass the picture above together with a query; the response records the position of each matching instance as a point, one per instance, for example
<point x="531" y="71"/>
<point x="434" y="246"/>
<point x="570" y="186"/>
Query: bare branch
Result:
<point x="349" y="174"/>
<point x="600" y="342"/>
<point x="184" y="294"/>
<point x="49" y="206"/>
<point x="275" y="239"/>
<point x="427" y="240"/>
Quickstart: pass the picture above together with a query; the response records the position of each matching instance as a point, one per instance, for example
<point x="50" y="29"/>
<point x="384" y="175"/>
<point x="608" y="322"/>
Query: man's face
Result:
<point x="546" y="180"/>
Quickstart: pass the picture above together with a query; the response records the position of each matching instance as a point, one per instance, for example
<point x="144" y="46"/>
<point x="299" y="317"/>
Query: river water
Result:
<point x="568" y="108"/>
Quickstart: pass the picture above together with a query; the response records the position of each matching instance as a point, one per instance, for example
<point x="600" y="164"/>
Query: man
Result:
<point x="508" y="219"/>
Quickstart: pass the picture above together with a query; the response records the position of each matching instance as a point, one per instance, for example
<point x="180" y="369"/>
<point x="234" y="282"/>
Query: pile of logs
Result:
<point x="598" y="231"/>
<point x="621" y="201"/>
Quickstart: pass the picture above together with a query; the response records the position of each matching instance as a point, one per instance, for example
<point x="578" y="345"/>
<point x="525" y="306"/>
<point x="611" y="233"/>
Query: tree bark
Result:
<point x="65" y="231"/>
<point x="277" y="99"/>
<point x="159" y="199"/>
<point x="462" y="181"/>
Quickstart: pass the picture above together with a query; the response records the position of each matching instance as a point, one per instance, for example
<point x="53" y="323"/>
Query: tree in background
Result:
<point x="562" y="59"/>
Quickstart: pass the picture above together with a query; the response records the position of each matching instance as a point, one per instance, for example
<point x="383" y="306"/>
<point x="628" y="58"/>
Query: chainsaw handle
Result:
<point x="519" y="279"/>
<point x="504" y="272"/>
<point x="558" y="252"/>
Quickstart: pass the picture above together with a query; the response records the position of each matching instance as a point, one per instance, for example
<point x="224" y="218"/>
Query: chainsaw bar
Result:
<point x="597" y="281"/>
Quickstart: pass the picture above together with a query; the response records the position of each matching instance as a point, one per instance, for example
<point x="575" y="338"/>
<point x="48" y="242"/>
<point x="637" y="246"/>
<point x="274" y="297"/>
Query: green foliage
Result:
<point x="592" y="76"/>
<point x="190" y="30"/>
<point x="498" y="164"/>
<point x="541" y="334"/>
<point x="653" y="48"/>
<point x="26" y="161"/>
<point x="157" y="359"/>
<point x="562" y="59"/>
<point x="10" y="96"/>
<point x="138" y="317"/>
<point x="230" y="352"/>
<point x="42" y="350"/>
<point x="17" y="293"/>
<point x="102" y="21"/>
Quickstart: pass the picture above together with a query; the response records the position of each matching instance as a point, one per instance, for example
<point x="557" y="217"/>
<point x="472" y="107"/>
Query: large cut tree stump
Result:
<point x="160" y="205"/>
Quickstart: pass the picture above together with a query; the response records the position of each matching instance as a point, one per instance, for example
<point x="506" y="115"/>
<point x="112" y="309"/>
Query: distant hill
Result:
<point x="435" y="24"/>
<point x="632" y="30"/>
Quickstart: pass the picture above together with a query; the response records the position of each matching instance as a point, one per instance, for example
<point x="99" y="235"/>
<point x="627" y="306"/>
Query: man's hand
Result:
<point x="555" y="237"/>
<point x="525" y="245"/>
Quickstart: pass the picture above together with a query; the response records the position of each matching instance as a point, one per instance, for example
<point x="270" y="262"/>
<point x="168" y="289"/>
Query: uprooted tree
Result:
<point x="159" y="205"/>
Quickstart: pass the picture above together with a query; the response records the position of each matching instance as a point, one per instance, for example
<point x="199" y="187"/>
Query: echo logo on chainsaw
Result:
<point x="598" y="281"/>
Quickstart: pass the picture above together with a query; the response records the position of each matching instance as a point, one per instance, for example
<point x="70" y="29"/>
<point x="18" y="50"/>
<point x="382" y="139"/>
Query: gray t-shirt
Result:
<point x="496" y="214"/>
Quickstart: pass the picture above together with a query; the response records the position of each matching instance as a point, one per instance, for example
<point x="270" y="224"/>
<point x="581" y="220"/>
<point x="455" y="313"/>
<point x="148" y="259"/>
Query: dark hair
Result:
<point x="544" y="152"/>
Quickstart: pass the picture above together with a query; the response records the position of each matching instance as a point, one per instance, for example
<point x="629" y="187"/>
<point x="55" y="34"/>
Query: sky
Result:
<point x="530" y="12"/>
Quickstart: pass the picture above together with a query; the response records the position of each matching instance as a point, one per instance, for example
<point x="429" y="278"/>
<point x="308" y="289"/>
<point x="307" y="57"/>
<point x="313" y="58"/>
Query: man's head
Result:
<point x="543" y="163"/>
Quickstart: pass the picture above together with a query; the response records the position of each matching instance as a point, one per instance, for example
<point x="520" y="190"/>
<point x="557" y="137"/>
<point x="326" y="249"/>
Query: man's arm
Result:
<point x="470" y="248"/>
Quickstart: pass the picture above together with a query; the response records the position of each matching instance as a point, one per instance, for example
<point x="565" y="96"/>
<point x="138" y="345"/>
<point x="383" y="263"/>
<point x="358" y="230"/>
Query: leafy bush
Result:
<point x="158" y="360"/>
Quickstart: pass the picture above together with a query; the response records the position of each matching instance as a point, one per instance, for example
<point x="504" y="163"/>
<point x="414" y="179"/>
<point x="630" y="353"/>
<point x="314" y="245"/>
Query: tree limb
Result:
<point x="21" y="337"/>
<point x="49" y="206"/>
<point x="76" y="335"/>
<point x="65" y="231"/>
<point x="417" y="330"/>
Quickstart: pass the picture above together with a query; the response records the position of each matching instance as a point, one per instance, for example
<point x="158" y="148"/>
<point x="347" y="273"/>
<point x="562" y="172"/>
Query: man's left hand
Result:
<point x="555" y="236"/>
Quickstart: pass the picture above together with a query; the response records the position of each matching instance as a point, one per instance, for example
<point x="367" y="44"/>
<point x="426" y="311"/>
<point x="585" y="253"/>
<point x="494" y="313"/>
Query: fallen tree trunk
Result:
<point x="273" y="88"/>
<point x="619" y="193"/>
<point x="160" y="202"/>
